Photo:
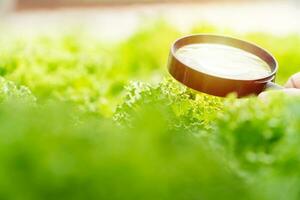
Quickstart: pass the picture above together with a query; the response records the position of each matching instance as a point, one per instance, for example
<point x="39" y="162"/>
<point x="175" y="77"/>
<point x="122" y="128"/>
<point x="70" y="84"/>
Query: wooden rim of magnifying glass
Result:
<point x="214" y="85"/>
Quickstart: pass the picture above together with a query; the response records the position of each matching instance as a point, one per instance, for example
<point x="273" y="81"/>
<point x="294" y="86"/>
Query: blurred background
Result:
<point x="117" y="19"/>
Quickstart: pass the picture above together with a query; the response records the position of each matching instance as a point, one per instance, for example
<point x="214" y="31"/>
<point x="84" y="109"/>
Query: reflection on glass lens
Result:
<point x="223" y="61"/>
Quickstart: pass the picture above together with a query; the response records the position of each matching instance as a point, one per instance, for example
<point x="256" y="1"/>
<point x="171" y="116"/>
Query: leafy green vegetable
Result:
<point x="45" y="154"/>
<point x="183" y="108"/>
<point x="108" y="123"/>
<point x="9" y="91"/>
<point x="260" y="141"/>
<point x="93" y="74"/>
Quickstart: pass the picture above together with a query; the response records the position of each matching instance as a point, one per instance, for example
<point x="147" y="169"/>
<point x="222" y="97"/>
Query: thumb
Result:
<point x="294" y="81"/>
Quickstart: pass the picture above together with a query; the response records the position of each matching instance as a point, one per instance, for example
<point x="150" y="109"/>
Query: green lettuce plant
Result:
<point x="109" y="123"/>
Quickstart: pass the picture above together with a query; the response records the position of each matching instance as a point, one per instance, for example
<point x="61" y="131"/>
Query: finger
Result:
<point x="263" y="95"/>
<point x="292" y="91"/>
<point x="294" y="81"/>
<point x="288" y="91"/>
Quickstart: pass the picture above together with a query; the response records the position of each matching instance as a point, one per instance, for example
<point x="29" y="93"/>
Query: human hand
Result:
<point x="292" y="87"/>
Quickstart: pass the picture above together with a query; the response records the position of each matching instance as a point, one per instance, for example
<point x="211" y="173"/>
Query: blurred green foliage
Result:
<point x="47" y="155"/>
<point x="102" y="121"/>
<point x="9" y="91"/>
<point x="87" y="72"/>
<point x="93" y="74"/>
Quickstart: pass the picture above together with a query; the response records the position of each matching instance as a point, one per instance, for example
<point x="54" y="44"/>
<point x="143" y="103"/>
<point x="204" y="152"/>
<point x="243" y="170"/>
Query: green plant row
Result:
<point x="93" y="74"/>
<point x="165" y="142"/>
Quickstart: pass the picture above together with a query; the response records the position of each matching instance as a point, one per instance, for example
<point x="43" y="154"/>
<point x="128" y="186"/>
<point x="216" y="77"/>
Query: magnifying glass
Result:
<point x="220" y="65"/>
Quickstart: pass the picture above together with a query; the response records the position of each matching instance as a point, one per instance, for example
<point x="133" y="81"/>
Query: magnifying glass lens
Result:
<point x="223" y="61"/>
